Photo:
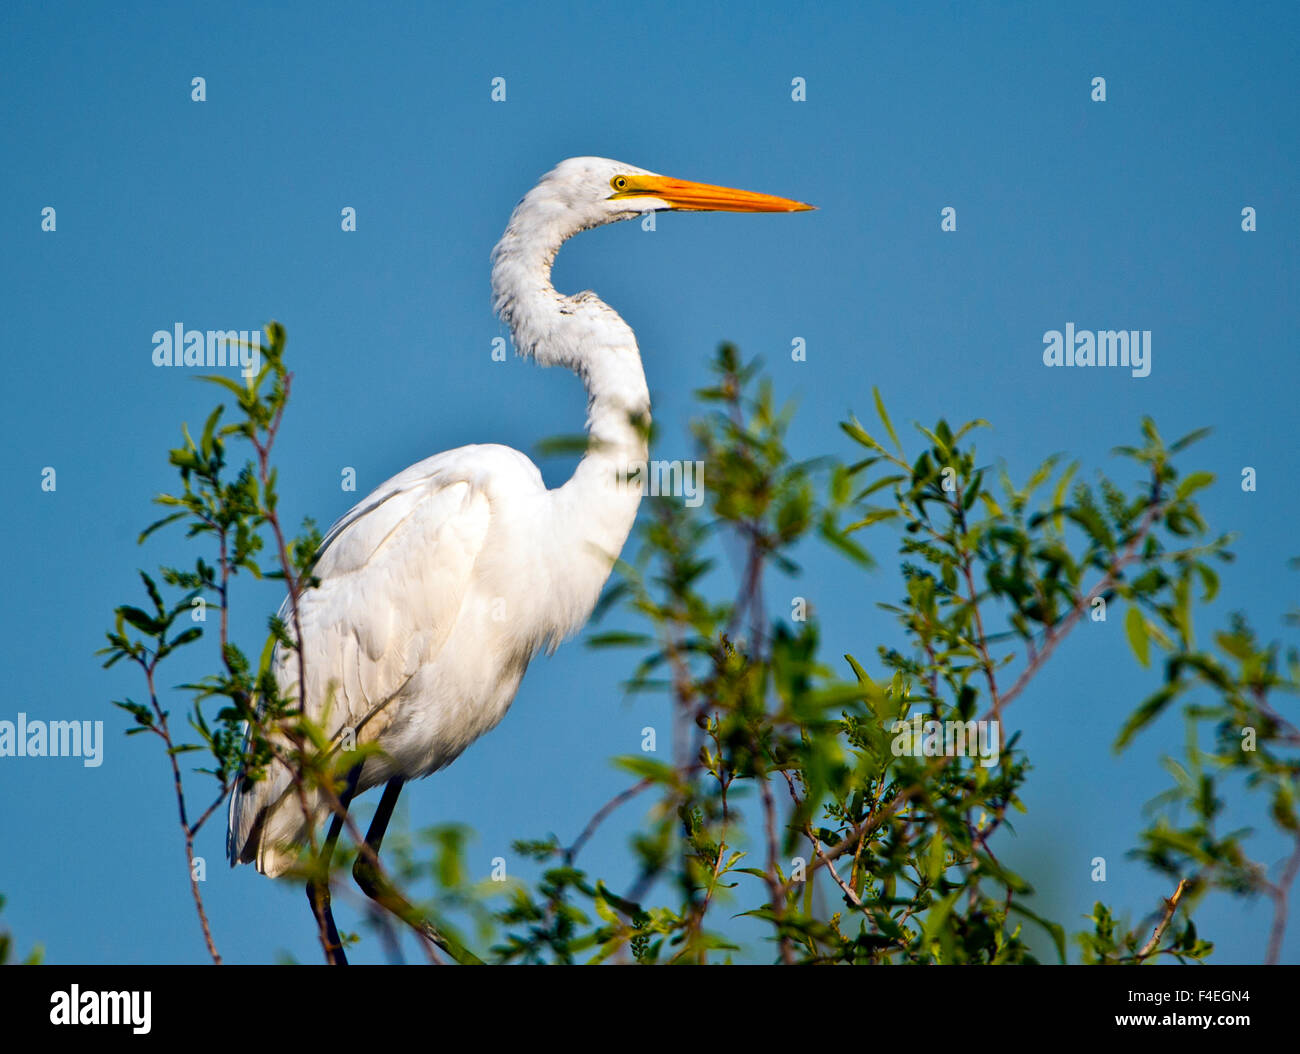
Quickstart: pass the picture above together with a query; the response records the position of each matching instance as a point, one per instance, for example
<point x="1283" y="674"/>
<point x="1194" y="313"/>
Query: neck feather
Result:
<point x="593" y="513"/>
<point x="580" y="332"/>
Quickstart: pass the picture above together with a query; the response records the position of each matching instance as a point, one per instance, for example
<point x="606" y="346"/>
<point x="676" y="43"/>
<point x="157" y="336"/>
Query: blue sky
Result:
<point x="225" y="213"/>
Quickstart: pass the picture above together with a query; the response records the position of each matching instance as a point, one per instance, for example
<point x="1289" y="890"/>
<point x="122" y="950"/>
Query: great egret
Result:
<point x="438" y="588"/>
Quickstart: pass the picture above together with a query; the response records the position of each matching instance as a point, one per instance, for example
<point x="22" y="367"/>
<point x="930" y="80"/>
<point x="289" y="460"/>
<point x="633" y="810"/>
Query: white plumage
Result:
<point x="439" y="587"/>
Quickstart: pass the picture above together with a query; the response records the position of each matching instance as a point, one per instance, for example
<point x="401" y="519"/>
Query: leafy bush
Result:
<point x="854" y="808"/>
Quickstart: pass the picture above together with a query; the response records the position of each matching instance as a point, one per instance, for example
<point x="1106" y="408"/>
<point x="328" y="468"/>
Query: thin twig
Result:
<point x="570" y="854"/>
<point x="162" y="730"/>
<point x="1166" y="916"/>
<point x="854" y="899"/>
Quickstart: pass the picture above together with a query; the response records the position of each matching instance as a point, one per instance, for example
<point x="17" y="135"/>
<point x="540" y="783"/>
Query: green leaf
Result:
<point x="647" y="768"/>
<point x="606" y="912"/>
<point x="161" y="523"/>
<point x="140" y="620"/>
<point x="1145" y="714"/>
<point x="1058" y="496"/>
<point x="979" y="422"/>
<point x="1136" y="628"/>
<point x="206" y="442"/>
<point x="1189" y="439"/>
<point x="1209" y="581"/>
<point x="875" y="516"/>
<point x="858" y="671"/>
<point x="629" y="908"/>
<point x="935" y="860"/>
<point x="194" y="633"/>
<point x="938" y="915"/>
<point x="884" y="418"/>
<point x="860" y="434"/>
<point x="838" y="540"/>
<point x="617" y="638"/>
<point x="234" y="386"/>
<point x="1192" y="483"/>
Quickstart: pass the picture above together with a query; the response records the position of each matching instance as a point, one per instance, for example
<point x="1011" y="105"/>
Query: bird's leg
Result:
<point x="318" y="884"/>
<point x="377" y="887"/>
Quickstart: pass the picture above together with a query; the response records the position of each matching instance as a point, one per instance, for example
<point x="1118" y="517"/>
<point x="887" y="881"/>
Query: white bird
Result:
<point x="438" y="588"/>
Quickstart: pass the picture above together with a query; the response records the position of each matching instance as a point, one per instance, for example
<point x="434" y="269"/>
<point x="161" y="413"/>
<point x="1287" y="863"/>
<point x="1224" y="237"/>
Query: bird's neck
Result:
<point x="618" y="419"/>
<point x="596" y="508"/>
<point x="580" y="332"/>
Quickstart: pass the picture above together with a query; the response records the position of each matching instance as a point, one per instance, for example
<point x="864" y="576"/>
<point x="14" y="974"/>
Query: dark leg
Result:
<point x="377" y="887"/>
<point x="318" y="885"/>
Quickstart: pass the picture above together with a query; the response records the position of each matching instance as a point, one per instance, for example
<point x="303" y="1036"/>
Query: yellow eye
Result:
<point x="619" y="183"/>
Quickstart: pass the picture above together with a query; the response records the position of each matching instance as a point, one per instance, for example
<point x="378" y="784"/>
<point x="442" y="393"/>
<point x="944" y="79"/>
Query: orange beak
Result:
<point x="701" y="197"/>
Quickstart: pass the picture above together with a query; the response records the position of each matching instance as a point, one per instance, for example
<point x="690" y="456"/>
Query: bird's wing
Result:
<point x="393" y="576"/>
<point x="394" y="573"/>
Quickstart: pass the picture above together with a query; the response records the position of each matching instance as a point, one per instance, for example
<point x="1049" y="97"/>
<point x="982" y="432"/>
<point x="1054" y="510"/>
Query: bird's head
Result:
<point x="591" y="191"/>
<point x="585" y="192"/>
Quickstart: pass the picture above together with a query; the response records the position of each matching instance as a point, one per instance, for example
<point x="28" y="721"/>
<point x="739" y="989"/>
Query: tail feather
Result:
<point x="266" y="826"/>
